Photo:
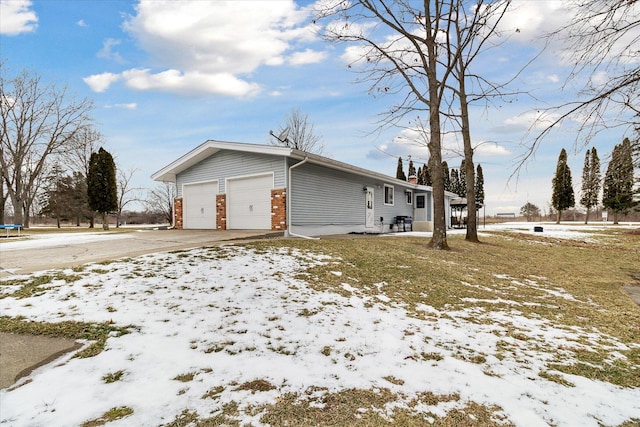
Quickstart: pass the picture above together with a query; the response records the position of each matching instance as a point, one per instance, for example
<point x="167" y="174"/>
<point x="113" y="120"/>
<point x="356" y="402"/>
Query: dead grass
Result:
<point x="96" y="332"/>
<point x="570" y="283"/>
<point x="111" y="415"/>
<point x="368" y="408"/>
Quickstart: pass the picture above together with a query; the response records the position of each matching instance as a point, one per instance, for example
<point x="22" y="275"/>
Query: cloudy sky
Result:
<point x="166" y="76"/>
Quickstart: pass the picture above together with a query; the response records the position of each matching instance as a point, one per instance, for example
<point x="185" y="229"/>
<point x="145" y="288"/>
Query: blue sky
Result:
<point x="166" y="76"/>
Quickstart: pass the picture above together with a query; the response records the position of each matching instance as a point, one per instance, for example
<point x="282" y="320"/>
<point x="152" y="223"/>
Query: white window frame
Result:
<point x="408" y="197"/>
<point x="388" y="202"/>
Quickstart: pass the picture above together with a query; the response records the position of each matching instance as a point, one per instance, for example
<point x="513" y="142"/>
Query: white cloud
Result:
<point x="189" y="83"/>
<point x="101" y="82"/>
<point x="16" y="17"/>
<point x="81" y="23"/>
<point x="128" y="106"/>
<point x="600" y="78"/>
<point x="107" y="51"/>
<point x="206" y="47"/>
<point x="526" y="20"/>
<point x="308" y="56"/>
<point x="528" y="121"/>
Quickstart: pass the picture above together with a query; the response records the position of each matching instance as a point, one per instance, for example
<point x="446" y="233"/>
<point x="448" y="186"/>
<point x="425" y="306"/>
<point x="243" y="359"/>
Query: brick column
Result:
<point x="221" y="212"/>
<point x="177" y="214"/>
<point x="278" y="209"/>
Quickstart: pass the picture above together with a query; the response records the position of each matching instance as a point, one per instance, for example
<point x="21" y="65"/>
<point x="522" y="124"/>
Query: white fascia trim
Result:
<point x="208" y="148"/>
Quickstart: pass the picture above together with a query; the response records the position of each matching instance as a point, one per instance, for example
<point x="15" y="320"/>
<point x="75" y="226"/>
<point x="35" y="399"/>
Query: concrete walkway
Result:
<point x="21" y="354"/>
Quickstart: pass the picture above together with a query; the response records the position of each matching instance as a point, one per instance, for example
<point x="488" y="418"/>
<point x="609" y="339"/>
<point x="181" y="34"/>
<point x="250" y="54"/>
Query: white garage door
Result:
<point x="199" y="200"/>
<point x="249" y="203"/>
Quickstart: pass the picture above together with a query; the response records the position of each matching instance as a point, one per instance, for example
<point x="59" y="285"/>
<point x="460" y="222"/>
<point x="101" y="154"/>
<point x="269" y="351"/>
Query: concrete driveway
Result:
<point x="47" y="251"/>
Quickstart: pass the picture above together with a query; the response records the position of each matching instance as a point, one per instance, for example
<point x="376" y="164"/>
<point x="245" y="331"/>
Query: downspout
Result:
<point x="288" y="231"/>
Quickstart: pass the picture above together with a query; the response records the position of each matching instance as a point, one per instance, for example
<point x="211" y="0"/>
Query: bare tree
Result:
<point x="475" y="25"/>
<point x="602" y="42"/>
<point x="298" y="133"/>
<point x="397" y="48"/>
<point x="38" y="121"/>
<point x="126" y="193"/>
<point x="160" y="200"/>
<point x="419" y="53"/>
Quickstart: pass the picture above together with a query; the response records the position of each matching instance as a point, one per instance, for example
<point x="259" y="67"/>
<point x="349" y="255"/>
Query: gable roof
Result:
<point x="210" y="147"/>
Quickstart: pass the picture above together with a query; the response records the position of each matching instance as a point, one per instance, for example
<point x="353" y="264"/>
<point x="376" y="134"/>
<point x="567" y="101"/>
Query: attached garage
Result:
<point x="200" y="205"/>
<point x="249" y="202"/>
<point x="236" y="186"/>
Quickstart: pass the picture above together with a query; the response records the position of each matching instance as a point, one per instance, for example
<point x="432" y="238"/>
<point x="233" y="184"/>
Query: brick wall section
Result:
<point x="177" y="214"/>
<point x="221" y="212"/>
<point x="278" y="209"/>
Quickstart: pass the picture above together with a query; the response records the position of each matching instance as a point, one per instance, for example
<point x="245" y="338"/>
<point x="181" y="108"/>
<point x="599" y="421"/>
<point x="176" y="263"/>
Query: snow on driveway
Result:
<point x="38" y="241"/>
<point x="229" y="315"/>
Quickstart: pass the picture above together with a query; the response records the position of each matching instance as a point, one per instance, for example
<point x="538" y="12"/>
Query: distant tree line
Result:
<point x="52" y="163"/>
<point x="619" y="196"/>
<point x="455" y="180"/>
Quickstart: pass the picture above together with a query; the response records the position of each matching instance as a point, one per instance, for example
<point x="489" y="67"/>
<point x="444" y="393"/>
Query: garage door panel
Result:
<point x="249" y="203"/>
<point x="199" y="211"/>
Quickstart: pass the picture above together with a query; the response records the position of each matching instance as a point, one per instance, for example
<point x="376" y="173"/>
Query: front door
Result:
<point x="369" y="215"/>
<point x="420" y="208"/>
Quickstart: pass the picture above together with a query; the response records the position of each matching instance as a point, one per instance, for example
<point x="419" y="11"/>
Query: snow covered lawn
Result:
<point x="234" y="333"/>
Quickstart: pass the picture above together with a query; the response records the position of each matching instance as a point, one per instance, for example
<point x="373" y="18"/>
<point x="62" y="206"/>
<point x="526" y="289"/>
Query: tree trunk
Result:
<point x="559" y="214"/>
<point x="2" y="208"/>
<point x="439" y="236"/>
<point x="17" y="211"/>
<point x="25" y="216"/>
<point x="469" y="168"/>
<point x="58" y="221"/>
<point x="105" y="221"/>
<point x="586" y="217"/>
<point x="615" y="217"/>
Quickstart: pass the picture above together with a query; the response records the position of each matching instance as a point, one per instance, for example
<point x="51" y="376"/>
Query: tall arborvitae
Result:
<point x="617" y="192"/>
<point x="412" y="169"/>
<point x="562" y="197"/>
<point x="479" y="187"/>
<point x="462" y="175"/>
<point x="455" y="181"/>
<point x="590" y="181"/>
<point x="102" y="188"/>
<point x="400" y="171"/>
<point x="420" y="176"/>
<point x="445" y="176"/>
<point x="426" y="175"/>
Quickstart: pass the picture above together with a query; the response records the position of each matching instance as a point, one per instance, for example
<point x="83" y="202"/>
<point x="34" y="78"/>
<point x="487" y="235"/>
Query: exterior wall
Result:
<point x="228" y="164"/>
<point x="278" y="209"/>
<point x="221" y="212"/>
<point x="177" y="214"/>
<point x="325" y="201"/>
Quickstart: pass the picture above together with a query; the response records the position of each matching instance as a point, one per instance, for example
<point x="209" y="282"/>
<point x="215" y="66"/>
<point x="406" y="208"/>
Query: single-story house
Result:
<point x="230" y="185"/>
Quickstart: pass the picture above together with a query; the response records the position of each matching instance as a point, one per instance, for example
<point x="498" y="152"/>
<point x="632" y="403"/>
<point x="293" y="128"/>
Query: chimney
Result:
<point x="413" y="179"/>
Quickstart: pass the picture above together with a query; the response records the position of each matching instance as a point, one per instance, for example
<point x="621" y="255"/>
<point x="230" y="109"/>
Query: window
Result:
<point x="408" y="194"/>
<point x="388" y="195"/>
<point x="420" y="202"/>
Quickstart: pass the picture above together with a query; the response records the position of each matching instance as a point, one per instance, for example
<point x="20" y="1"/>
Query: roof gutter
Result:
<point x="288" y="232"/>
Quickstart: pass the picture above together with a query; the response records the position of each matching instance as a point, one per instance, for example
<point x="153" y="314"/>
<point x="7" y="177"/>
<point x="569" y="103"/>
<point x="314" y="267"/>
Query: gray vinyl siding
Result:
<point x="228" y="164"/>
<point x="323" y="196"/>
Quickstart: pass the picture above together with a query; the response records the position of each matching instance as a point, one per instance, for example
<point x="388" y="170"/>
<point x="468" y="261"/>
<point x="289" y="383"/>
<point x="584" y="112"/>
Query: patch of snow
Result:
<point x="60" y="239"/>
<point x="230" y="315"/>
